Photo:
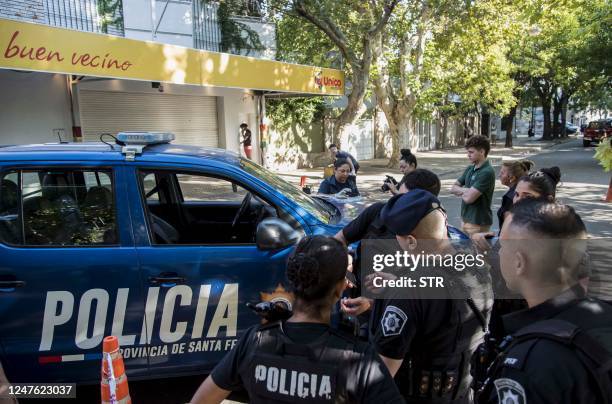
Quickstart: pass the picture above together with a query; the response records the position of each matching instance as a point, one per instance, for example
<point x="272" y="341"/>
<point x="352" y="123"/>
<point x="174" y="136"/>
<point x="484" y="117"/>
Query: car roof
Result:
<point x="90" y="151"/>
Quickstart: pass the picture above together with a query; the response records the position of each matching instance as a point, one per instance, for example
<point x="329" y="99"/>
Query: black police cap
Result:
<point x="403" y="212"/>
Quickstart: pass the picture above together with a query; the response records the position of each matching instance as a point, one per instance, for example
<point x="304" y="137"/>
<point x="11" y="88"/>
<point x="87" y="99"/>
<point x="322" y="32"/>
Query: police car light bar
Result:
<point x="144" y="138"/>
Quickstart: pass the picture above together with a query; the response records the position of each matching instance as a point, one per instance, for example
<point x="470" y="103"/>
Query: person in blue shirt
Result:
<point x="340" y="180"/>
<point x="337" y="154"/>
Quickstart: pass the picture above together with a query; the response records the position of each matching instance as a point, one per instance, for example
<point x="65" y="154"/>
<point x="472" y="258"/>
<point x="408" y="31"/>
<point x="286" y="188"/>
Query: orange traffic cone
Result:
<point x="608" y="197"/>
<point x="114" y="383"/>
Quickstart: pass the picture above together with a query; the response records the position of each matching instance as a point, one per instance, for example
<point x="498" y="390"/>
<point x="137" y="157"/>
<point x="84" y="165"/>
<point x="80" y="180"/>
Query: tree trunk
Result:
<point x="441" y="142"/>
<point x="556" y="114"/>
<point x="547" y="135"/>
<point x="509" y="126"/>
<point x="564" y="102"/>
<point x="354" y="109"/>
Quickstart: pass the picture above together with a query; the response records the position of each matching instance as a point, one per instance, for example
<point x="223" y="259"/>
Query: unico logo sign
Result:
<point x="326" y="81"/>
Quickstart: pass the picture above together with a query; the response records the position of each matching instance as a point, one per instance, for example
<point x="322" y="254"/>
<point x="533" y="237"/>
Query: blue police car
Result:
<point x="159" y="244"/>
<point x="153" y="242"/>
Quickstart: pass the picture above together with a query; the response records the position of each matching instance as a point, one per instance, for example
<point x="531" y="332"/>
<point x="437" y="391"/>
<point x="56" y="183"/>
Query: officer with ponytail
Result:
<point x="302" y="359"/>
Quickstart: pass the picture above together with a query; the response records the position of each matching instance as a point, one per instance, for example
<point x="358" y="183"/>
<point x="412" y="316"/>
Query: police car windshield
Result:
<point x="322" y="211"/>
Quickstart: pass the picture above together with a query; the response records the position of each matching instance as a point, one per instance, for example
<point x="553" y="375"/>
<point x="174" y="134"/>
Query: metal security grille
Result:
<point x="206" y="31"/>
<point x="84" y="15"/>
<point x="193" y="119"/>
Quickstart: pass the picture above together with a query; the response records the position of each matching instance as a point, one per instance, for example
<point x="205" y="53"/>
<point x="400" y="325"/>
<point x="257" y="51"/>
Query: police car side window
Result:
<point x="198" y="188"/>
<point x="150" y="187"/>
<point x="10" y="229"/>
<point x="64" y="207"/>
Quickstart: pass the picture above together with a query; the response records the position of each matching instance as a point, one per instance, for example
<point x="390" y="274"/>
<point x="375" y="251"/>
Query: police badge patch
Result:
<point x="509" y="392"/>
<point x="393" y="321"/>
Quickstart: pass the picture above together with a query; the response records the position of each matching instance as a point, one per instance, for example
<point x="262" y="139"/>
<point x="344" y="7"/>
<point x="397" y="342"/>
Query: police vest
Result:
<point x="276" y="369"/>
<point x="438" y="368"/>
<point x="592" y="347"/>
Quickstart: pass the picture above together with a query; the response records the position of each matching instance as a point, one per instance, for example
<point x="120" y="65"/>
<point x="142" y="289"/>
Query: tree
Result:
<point x="434" y="52"/>
<point x="352" y="27"/>
<point x="573" y="50"/>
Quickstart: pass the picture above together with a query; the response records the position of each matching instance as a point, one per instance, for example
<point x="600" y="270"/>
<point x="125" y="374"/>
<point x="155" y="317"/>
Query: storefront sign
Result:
<point x="27" y="46"/>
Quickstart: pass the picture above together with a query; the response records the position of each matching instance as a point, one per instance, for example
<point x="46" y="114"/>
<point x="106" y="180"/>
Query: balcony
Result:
<point x="102" y="16"/>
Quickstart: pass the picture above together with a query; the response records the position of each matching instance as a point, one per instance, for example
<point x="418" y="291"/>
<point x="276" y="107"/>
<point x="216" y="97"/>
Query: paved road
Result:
<point x="583" y="183"/>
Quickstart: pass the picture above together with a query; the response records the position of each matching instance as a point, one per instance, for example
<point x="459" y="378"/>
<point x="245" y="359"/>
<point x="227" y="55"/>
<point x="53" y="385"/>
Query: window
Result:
<point x="150" y="187"/>
<point x="196" y="209"/>
<point x="58" y="208"/>
<point x="10" y="231"/>
<point x="210" y="189"/>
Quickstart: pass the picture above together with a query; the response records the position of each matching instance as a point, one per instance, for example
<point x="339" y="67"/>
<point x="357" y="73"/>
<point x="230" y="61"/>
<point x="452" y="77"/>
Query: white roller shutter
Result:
<point x="192" y="119"/>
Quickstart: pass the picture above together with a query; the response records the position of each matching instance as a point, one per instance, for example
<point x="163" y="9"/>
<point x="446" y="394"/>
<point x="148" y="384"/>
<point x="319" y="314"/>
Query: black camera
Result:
<point x="388" y="180"/>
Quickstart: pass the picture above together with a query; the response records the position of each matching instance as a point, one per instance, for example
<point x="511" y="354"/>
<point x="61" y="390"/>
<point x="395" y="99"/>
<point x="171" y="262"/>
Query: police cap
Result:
<point x="403" y="212"/>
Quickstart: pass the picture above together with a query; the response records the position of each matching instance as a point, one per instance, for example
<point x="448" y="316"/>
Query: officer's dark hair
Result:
<point x="422" y="179"/>
<point x="332" y="145"/>
<point x="408" y="157"/>
<point x="548" y="219"/>
<point x="479" y="142"/>
<point x="340" y="162"/>
<point x="544" y="181"/>
<point x="315" y="268"/>
<point x="564" y="231"/>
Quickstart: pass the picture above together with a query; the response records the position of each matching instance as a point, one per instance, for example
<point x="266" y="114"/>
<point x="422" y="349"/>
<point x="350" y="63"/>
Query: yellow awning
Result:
<point x="36" y="47"/>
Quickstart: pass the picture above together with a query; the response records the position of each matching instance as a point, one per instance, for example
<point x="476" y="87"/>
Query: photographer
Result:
<point x="407" y="164"/>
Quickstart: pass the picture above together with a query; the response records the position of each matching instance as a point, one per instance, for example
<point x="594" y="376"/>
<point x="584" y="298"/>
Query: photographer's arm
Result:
<point x="392" y="188"/>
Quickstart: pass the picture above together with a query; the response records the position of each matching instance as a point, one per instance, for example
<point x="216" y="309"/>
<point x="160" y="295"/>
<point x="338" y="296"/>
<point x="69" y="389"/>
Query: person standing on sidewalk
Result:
<point x="475" y="187"/>
<point x="246" y="140"/>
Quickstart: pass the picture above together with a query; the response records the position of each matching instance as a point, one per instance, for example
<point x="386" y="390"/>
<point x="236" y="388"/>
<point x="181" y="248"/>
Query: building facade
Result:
<point x="203" y="106"/>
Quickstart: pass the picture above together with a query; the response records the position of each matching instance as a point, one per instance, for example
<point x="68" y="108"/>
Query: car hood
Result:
<point x="349" y="208"/>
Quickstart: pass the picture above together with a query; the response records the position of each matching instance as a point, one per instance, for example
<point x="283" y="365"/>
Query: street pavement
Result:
<point x="583" y="181"/>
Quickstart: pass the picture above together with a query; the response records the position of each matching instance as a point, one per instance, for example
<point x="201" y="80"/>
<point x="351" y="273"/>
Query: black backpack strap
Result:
<point x="596" y="358"/>
<point x="569" y="334"/>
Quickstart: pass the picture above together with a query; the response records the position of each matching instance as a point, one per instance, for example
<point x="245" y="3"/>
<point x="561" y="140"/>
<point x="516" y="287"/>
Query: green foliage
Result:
<point x="111" y="13"/>
<point x="301" y="43"/>
<point x="603" y="153"/>
<point x="285" y="112"/>
<point x="235" y="36"/>
<point x="466" y="60"/>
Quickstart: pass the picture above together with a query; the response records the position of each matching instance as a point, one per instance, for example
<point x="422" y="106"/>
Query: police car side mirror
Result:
<point x="274" y="234"/>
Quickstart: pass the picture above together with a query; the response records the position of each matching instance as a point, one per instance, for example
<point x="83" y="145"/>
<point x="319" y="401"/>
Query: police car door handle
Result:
<point x="166" y="281"/>
<point x="11" y="284"/>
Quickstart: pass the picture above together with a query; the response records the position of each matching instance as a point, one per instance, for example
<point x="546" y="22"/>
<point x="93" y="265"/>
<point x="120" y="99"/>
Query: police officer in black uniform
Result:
<point x="303" y="360"/>
<point x="369" y="225"/>
<point x="560" y="347"/>
<point x="427" y="342"/>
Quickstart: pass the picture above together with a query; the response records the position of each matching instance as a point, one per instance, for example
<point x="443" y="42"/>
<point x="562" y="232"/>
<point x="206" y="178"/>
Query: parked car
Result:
<point x="159" y="244"/>
<point x="596" y="131"/>
<point x="571" y="128"/>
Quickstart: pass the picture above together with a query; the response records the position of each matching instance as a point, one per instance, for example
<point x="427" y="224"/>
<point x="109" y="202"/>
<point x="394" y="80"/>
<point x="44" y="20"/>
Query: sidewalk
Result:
<point x="447" y="164"/>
